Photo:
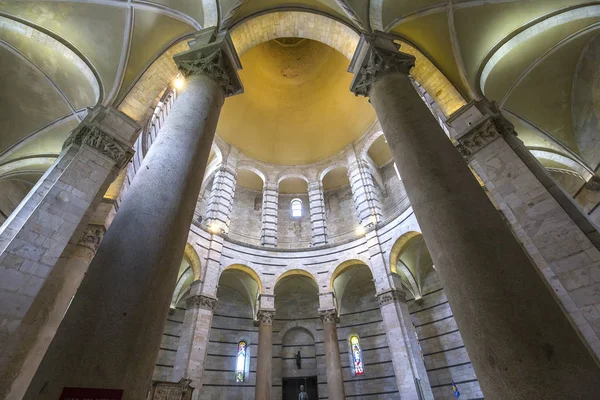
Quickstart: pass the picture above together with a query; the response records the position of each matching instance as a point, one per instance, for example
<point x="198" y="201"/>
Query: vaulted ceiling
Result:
<point x="537" y="59"/>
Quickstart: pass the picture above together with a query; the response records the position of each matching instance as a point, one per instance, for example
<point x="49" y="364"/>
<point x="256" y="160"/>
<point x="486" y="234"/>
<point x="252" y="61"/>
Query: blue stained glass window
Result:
<point x="240" y="366"/>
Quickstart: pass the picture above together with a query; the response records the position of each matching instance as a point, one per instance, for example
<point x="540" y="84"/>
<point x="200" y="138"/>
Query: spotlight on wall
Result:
<point x="360" y="230"/>
<point x="178" y="83"/>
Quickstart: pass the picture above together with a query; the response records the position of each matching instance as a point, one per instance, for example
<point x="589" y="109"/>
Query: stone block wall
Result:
<point x="395" y="199"/>
<point x="293" y="232"/>
<point x="340" y="214"/>
<point x="13" y="192"/>
<point x="444" y="352"/>
<point x="360" y="315"/>
<point x="232" y="322"/>
<point x="246" y="216"/>
<point x="165" y="360"/>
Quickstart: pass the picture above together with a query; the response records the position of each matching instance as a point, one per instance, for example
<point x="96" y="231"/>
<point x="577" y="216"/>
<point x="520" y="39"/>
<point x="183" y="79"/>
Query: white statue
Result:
<point x="302" y="395"/>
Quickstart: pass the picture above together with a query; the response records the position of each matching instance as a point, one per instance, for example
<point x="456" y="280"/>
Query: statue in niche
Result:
<point x="302" y="395"/>
<point x="299" y="360"/>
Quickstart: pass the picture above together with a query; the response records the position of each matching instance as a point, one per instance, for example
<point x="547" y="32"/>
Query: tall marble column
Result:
<point x="317" y="213"/>
<point x="111" y="333"/>
<point x="220" y="202"/>
<point x="333" y="363"/>
<point x="55" y="212"/>
<point x="409" y="367"/>
<point x="265" y="355"/>
<point x="193" y="341"/>
<point x="521" y="344"/>
<point x="366" y="201"/>
<point x="268" y="233"/>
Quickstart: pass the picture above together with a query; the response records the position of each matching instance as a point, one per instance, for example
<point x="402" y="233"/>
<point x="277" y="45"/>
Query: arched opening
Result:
<point x="360" y="321"/>
<point x="438" y="335"/>
<point x="245" y="220"/>
<point x="293" y="218"/>
<point x="339" y="205"/>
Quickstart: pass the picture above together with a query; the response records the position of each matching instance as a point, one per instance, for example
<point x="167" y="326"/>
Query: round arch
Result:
<point x="308" y="327"/>
<point x="291" y="175"/>
<point x="368" y="142"/>
<point x="249" y="271"/>
<point x="247" y="167"/>
<point x="345" y="265"/>
<point x="331" y="167"/>
<point x="192" y="257"/>
<point x="399" y="246"/>
<point x="292" y="272"/>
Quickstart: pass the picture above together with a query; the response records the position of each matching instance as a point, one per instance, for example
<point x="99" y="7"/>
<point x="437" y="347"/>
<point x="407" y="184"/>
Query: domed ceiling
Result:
<point x="537" y="59"/>
<point x="296" y="107"/>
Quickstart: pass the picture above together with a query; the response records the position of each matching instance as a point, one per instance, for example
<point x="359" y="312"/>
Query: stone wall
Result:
<point x="246" y="216"/>
<point x="360" y="315"/>
<point x="165" y="360"/>
<point x="232" y="322"/>
<point x="395" y="199"/>
<point x="340" y="214"/>
<point x="293" y="232"/>
<point x="13" y="192"/>
<point x="444" y="352"/>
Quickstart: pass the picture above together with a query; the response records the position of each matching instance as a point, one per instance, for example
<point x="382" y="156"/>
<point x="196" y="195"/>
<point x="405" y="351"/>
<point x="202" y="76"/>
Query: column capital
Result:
<point x="328" y="316"/>
<point x="201" y="301"/>
<point x="92" y="236"/>
<point x="212" y="55"/>
<point x="390" y="296"/>
<point x="95" y="132"/>
<point x="265" y="317"/>
<point x="376" y="55"/>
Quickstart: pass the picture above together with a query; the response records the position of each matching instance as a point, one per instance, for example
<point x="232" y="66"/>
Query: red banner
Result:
<point x="71" y="393"/>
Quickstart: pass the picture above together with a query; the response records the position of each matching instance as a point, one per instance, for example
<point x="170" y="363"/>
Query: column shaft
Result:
<point x="265" y="355"/>
<point x="333" y="363"/>
<point x="119" y="312"/>
<point x="268" y="235"/>
<point x="521" y="344"/>
<point x="317" y="213"/>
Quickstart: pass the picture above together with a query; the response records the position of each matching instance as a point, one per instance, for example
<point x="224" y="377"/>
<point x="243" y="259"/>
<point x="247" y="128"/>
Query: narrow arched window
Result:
<point x="296" y="208"/>
<point x="357" y="360"/>
<point x="240" y="366"/>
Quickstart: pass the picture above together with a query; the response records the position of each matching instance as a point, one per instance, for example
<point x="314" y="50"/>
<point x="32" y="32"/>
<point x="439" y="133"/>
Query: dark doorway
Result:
<point x="291" y="388"/>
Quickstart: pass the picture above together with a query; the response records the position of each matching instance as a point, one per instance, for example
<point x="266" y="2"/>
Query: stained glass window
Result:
<point x="240" y="366"/>
<point x="296" y="208"/>
<point x="357" y="356"/>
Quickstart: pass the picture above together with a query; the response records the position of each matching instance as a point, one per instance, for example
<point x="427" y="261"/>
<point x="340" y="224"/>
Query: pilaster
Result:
<point x="268" y="235"/>
<point x="555" y="233"/>
<point x="317" y="213"/>
<point x="220" y="202"/>
<point x="55" y="212"/>
<point x="366" y="200"/>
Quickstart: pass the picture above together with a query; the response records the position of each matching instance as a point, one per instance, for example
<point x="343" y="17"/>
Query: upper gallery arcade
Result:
<point x="312" y="199"/>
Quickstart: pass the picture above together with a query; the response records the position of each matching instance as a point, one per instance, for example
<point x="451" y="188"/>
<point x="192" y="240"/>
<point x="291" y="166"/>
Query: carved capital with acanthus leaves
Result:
<point x="376" y="56"/>
<point x="91" y="238"/>
<point x="390" y="296"/>
<point x="265" y="317"/>
<point x="201" y="301"/>
<point x="484" y="133"/>
<point x="328" y="316"/>
<point x="212" y="54"/>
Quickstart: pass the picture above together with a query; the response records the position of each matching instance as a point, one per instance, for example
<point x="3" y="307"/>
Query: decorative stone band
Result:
<point x="484" y="133"/>
<point x="102" y="142"/>
<point x="328" y="316"/>
<point x="161" y="390"/>
<point x="390" y="296"/>
<point x="201" y="301"/>
<point x="265" y="317"/>
<point x="377" y="55"/>
<point x="91" y="238"/>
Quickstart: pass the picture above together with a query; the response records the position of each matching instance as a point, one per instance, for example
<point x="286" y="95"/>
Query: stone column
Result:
<point x="55" y="212"/>
<point x="220" y="202"/>
<point x="335" y="379"/>
<point x="409" y="367"/>
<point x="317" y="213"/>
<point x="565" y="250"/>
<point x="268" y="235"/>
<point x="521" y="344"/>
<point x="265" y="355"/>
<point x="120" y="309"/>
<point x="43" y="318"/>
<point x="193" y="342"/>
<point x="366" y="201"/>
